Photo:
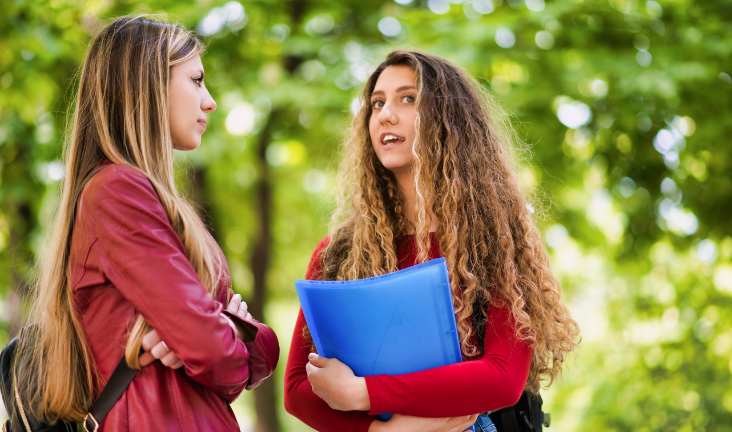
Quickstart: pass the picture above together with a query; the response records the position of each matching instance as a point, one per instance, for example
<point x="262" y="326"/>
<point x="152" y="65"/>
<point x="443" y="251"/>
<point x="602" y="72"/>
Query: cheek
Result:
<point x="373" y="131"/>
<point x="413" y="121"/>
<point x="177" y="120"/>
<point x="174" y="105"/>
<point x="183" y="109"/>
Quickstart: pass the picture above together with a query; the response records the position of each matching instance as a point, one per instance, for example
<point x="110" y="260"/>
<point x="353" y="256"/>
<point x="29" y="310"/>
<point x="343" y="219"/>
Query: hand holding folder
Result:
<point x="397" y="323"/>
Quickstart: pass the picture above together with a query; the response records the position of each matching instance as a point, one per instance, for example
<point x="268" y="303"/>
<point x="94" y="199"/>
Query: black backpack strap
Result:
<point x="508" y="418"/>
<point x="527" y="414"/>
<point x="117" y="384"/>
<point x="537" y="414"/>
<point x="122" y="375"/>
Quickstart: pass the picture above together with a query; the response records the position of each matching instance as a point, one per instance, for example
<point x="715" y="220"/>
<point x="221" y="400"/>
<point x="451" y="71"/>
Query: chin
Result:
<point x="188" y="146"/>
<point x="396" y="166"/>
<point x="396" y="160"/>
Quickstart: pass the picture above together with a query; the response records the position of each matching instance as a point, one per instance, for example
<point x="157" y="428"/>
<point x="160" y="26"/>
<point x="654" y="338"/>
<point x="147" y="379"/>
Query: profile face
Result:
<point x="392" y="125"/>
<point x="189" y="102"/>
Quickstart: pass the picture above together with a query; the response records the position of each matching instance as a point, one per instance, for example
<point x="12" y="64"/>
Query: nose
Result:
<point x="208" y="104"/>
<point x="387" y="115"/>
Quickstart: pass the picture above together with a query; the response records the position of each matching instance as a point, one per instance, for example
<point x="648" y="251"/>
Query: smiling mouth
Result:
<point x="387" y="139"/>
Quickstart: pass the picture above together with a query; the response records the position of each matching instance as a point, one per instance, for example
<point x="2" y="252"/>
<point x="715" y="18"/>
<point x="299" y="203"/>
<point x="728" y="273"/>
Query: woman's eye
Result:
<point x="377" y="104"/>
<point x="409" y="99"/>
<point x="198" y="81"/>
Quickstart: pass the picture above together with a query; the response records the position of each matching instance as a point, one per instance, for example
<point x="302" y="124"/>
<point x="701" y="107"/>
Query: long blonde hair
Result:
<point x="121" y="115"/>
<point x="464" y="174"/>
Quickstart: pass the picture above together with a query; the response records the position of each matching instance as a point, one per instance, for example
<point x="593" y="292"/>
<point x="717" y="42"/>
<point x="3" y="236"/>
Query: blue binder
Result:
<point x="397" y="323"/>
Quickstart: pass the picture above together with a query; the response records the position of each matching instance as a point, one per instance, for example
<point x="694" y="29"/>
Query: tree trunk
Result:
<point x="265" y="396"/>
<point x="201" y="203"/>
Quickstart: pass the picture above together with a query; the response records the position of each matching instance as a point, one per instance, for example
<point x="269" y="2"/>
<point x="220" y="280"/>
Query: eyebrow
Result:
<point x="399" y="90"/>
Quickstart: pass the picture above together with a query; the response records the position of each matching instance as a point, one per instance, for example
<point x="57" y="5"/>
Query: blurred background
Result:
<point x="623" y="105"/>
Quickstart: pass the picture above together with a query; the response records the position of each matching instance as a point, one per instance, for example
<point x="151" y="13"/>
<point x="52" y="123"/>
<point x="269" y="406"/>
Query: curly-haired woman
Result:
<point x="426" y="174"/>
<point x="134" y="256"/>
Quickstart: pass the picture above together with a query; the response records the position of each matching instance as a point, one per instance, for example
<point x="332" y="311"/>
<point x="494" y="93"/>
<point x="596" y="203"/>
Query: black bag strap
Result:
<point x="513" y="418"/>
<point x="122" y="375"/>
<point x="508" y="418"/>
<point x="117" y="384"/>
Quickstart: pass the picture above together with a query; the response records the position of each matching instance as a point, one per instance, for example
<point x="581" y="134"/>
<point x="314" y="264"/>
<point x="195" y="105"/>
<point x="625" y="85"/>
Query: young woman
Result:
<point x="427" y="174"/>
<point x="138" y="258"/>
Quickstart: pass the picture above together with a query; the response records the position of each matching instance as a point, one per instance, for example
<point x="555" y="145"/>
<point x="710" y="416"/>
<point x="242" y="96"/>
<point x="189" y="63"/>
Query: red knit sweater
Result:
<point x="493" y="381"/>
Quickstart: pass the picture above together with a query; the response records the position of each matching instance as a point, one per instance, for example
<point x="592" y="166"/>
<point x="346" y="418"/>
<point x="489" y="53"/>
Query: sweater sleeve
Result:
<point x="143" y="257"/>
<point x="492" y="382"/>
<point x="300" y="401"/>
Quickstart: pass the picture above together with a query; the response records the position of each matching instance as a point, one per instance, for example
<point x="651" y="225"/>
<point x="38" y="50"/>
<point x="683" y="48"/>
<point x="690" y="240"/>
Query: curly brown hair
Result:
<point x="462" y="169"/>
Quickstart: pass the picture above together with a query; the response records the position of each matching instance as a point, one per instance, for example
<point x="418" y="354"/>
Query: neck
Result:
<point x="408" y="192"/>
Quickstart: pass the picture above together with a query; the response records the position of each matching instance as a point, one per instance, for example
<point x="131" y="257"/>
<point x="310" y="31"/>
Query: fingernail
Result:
<point x="237" y="295"/>
<point x="312" y="356"/>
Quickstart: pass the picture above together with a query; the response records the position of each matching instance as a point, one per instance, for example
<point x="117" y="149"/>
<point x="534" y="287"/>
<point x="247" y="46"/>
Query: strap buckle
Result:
<point x="96" y="424"/>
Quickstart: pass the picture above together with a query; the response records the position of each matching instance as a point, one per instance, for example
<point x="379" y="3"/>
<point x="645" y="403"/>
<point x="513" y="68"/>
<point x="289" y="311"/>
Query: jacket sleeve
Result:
<point x="145" y="260"/>
<point x="300" y="401"/>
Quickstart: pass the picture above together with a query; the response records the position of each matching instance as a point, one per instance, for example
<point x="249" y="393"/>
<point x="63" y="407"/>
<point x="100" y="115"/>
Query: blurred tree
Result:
<point x="624" y="106"/>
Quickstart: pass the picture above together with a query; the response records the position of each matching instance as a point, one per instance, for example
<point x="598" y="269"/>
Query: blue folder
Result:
<point x="397" y="323"/>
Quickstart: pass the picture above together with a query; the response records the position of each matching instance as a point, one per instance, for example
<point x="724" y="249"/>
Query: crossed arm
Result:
<point x="143" y="257"/>
<point x="155" y="348"/>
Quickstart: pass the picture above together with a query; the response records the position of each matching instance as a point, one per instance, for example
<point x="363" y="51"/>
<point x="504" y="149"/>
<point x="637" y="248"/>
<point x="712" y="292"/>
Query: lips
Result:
<point x="202" y="123"/>
<point x="387" y="138"/>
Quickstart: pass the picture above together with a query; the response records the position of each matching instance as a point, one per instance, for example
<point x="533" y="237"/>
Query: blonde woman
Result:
<point x="427" y="174"/>
<point x="138" y="257"/>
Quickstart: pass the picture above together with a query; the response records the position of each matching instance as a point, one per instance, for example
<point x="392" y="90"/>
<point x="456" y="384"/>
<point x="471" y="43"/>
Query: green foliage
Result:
<point x="637" y="195"/>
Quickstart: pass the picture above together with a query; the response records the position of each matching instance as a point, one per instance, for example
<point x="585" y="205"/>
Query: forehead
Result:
<point x="192" y="64"/>
<point x="394" y="77"/>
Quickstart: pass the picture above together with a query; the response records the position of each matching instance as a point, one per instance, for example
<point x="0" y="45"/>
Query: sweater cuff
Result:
<point x="376" y="392"/>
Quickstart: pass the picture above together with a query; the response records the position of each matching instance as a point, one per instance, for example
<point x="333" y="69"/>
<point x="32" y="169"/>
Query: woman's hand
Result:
<point x="404" y="423"/>
<point x="155" y="349"/>
<point x="239" y="308"/>
<point x="336" y="384"/>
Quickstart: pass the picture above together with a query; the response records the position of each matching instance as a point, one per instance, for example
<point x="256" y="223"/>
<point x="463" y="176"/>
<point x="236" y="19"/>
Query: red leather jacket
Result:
<point x="127" y="259"/>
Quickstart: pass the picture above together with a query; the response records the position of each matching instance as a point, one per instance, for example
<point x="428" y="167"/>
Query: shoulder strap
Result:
<point x="117" y="384"/>
<point x="508" y="417"/>
<point x="122" y="375"/>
